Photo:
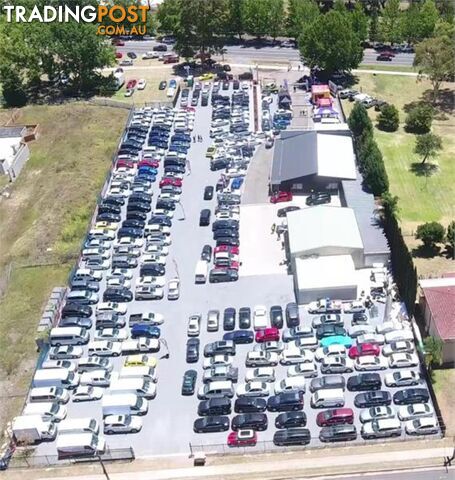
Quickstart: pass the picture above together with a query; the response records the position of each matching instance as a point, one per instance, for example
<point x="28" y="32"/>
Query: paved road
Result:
<point x="241" y="54"/>
<point x="439" y="473"/>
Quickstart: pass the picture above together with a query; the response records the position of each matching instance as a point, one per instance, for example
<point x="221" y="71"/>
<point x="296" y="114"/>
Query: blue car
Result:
<point x="240" y="336"/>
<point x="172" y="83"/>
<point x="178" y="148"/>
<point x="147" y="170"/>
<point x="147" y="331"/>
<point x="337" y="340"/>
<point x="237" y="183"/>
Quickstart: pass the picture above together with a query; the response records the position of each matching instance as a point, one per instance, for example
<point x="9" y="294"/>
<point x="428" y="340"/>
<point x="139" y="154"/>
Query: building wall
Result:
<point x="19" y="161"/>
<point x="341" y="293"/>
<point x="370" y="259"/>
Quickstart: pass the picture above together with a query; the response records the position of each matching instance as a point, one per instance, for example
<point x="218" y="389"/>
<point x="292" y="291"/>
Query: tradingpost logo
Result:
<point x="111" y="19"/>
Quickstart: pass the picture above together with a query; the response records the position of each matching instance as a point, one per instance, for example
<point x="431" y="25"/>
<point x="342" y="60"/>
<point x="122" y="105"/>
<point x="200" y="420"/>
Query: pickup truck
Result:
<point x="325" y="306"/>
<point x="140" y="345"/>
<point x="146" y="318"/>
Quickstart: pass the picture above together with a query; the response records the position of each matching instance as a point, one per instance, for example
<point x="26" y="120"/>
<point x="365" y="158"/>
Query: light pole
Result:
<point x="176" y="267"/>
<point x="183" y="211"/>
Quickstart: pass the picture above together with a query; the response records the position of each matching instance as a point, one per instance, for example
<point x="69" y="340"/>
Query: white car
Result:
<point x="141" y="345"/>
<point x="261" y="359"/>
<point x="417" y="410"/>
<point x="261" y="374"/>
<point x="397" y="335"/>
<point x="65" y="352"/>
<point x="253" y="389"/>
<point x="402" y="378"/>
<point x="213" y="320"/>
<point x="118" y="192"/>
<point x="118" y="282"/>
<point x="296" y="355"/>
<point x="387" y="327"/>
<point x="96" y="264"/>
<point x="269" y="347"/>
<point x="330" y="351"/>
<point x="422" y="426"/>
<point x="129" y="242"/>
<point x="398" y="347"/>
<point x="194" y="325"/>
<point x="119" y="308"/>
<point x="154" y="229"/>
<point x="112" y="334"/>
<point x="87" y="393"/>
<point x="293" y="383"/>
<point x="359" y="330"/>
<point x="307" y="370"/>
<point x="154" y="258"/>
<point x="157" y="249"/>
<point x="370" y="363"/>
<point x="336" y="364"/>
<point x="259" y="317"/>
<point x="373" y="338"/>
<point x="128" y="92"/>
<point x="122" y="272"/>
<point x="96" y="378"/>
<point x="227" y="216"/>
<point x="398" y="360"/>
<point x="310" y="342"/>
<point x="217" y="360"/>
<point x="173" y="289"/>
<point x="141" y="84"/>
<point x="149" y="281"/>
<point x="122" y="424"/>
<point x="354" y="307"/>
<point x="375" y="413"/>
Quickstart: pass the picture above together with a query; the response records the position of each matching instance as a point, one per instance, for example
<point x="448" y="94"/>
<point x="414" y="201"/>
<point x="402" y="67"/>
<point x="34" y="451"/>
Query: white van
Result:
<point x="55" y="377"/>
<point x="48" y="410"/>
<point x="79" y="425"/>
<point x="328" y="398"/>
<point x="124" y="404"/>
<point x="147" y="373"/>
<point x="216" y="389"/>
<point x="104" y="348"/>
<point x="80" y="444"/>
<point x="202" y="270"/>
<point x="87" y="274"/>
<point x="68" y="336"/>
<point x="139" y="386"/>
<point x="49" y="394"/>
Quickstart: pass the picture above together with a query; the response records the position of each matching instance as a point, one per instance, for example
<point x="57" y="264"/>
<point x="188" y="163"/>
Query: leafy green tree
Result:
<point x="433" y="349"/>
<point x="451" y="235"/>
<point x="390" y="205"/>
<point x="276" y="18"/>
<point x="375" y="175"/>
<point x="390" y="25"/>
<point x="300" y="14"/>
<point x="388" y="119"/>
<point x="359" y="121"/>
<point x="236" y="22"/>
<point x="428" y="16"/>
<point x="374" y="27"/>
<point x="330" y="43"/>
<point x="435" y="57"/>
<point x="339" y="6"/>
<point x="427" y="145"/>
<point x="430" y="233"/>
<point x="257" y="16"/>
<point x="410" y="25"/>
<point x="419" y="119"/>
<point x="13" y="90"/>
<point x="359" y="22"/>
<point x="446" y="9"/>
<point x="168" y="16"/>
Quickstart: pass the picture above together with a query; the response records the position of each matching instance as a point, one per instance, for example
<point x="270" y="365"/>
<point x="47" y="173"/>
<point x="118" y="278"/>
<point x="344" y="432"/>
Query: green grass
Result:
<point x="388" y="68"/>
<point x="444" y="387"/>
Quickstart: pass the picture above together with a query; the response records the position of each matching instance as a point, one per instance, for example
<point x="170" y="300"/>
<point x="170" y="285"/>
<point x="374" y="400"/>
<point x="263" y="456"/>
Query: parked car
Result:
<point x="411" y="395"/>
<point x="337" y="416"/>
<point x="338" y="433"/>
<point x="211" y="424"/>
<point x="189" y="382"/>
<point x="372" y="399"/>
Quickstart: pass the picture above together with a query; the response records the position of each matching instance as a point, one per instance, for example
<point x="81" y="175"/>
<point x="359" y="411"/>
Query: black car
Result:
<point x="231" y="241"/>
<point x="318" y="198"/>
<point x="108" y="217"/>
<point x="84" y="284"/>
<point x="338" y="433"/>
<point x="329" y="330"/>
<point x="218" y="275"/>
<point x="165" y="205"/>
<point x="113" y="201"/>
<point x="131" y="55"/>
<point x="359" y="319"/>
<point x="363" y="382"/>
<point x="292" y="436"/>
<point x="276" y="316"/>
<point x="109" y="208"/>
<point x="250" y="405"/>
<point x="215" y="406"/>
<point x="133" y="223"/>
<point x="292" y="315"/>
<point x="130" y="232"/>
<point x="410" y="396"/>
<point x="76" y="310"/>
<point x="255" y="421"/>
<point x="189" y="382"/>
<point x="225" y="224"/>
<point x="221" y="347"/>
<point x="208" y="193"/>
<point x="192" y="350"/>
<point x="285" y="402"/>
<point x="136" y="215"/>
<point x="152" y="269"/>
<point x="290" y="419"/>
<point x="140" y="197"/>
<point x="138" y="206"/>
<point x="240" y="337"/>
<point x="211" y="424"/>
<point x="229" y="319"/>
<point x="245" y="317"/>
<point x="372" y="399"/>
<point x="160" y="220"/>
<point x="117" y="294"/>
<point x="204" y="218"/>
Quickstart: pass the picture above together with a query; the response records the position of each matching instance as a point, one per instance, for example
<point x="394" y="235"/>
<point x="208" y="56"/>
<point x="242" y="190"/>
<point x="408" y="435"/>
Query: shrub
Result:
<point x="419" y="119"/>
<point x="430" y="233"/>
<point x="388" y="119"/>
<point x="359" y="121"/>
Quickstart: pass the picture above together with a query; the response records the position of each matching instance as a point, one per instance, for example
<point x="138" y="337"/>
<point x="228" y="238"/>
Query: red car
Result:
<point x="125" y="164"/>
<point x="131" y="84"/>
<point x="149" y="163"/>
<point x="171" y="59"/>
<point x="270" y="334"/>
<point x="364" y="349"/>
<point x="242" y="438"/>
<point x="118" y="42"/>
<point x="118" y="55"/>
<point x="281" y="197"/>
<point x="176" y="182"/>
<point x="223" y="263"/>
<point x="190" y="109"/>
<point x="226" y="248"/>
<point x="337" y="416"/>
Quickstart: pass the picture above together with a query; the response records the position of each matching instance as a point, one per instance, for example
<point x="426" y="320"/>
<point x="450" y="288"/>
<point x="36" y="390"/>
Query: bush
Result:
<point x="13" y="90"/>
<point x="419" y="119"/>
<point x="430" y="233"/>
<point x="451" y="235"/>
<point x="359" y="121"/>
<point x="375" y="175"/>
<point x="388" y="119"/>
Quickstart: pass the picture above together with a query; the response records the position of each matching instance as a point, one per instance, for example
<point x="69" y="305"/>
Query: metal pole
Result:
<point x="104" y="468"/>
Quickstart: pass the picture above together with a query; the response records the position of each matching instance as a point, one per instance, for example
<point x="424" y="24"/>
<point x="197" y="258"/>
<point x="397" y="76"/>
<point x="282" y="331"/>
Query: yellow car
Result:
<point x="210" y="152"/>
<point x="106" y="225"/>
<point x="206" y="76"/>
<point x="140" y="361"/>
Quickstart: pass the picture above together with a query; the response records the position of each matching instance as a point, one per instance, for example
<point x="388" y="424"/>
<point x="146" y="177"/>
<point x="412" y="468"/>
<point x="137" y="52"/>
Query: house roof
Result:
<point x="440" y="297"/>
<point x="12" y="132"/>
<point x="311" y="230"/>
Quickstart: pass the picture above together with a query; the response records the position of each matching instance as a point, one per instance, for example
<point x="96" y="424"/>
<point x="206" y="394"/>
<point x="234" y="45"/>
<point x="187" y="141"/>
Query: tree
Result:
<point x="374" y="27"/>
<point x="359" y="22"/>
<point x="257" y="17"/>
<point x="330" y="43"/>
<point x="388" y="119"/>
<point x="276" y="18"/>
<point x="375" y="175"/>
<point x="300" y="14"/>
<point x="410" y="25"/>
<point x="419" y="119"/>
<point x="236" y="22"/>
<point x="427" y="146"/>
<point x="359" y="121"/>
<point x="433" y="349"/>
<point x="447" y="10"/>
<point x="430" y="233"/>
<point x="168" y="16"/>
<point x="390" y="205"/>
<point x="390" y="25"/>
<point x="451" y="235"/>
<point x="428" y="17"/>
<point x="436" y="58"/>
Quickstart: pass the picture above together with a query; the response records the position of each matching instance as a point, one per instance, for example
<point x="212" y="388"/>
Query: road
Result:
<point x="246" y="55"/>
<point x="439" y="473"/>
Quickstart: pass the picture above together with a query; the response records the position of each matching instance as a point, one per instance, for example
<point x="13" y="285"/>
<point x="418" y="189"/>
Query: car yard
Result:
<point x="264" y="280"/>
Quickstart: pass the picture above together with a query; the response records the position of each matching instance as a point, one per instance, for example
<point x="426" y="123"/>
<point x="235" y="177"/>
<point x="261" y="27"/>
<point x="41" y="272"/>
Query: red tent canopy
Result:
<point x="324" y="102"/>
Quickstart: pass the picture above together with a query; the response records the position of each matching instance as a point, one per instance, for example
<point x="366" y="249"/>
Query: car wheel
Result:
<point x="110" y="431"/>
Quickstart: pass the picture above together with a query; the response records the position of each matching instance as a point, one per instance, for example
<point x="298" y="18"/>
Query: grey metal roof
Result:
<point x="11" y="132"/>
<point x="373" y="237"/>
<point x="295" y="155"/>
